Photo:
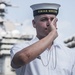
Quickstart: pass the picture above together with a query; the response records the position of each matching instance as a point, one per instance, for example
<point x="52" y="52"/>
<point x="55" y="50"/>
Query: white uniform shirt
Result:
<point x="59" y="60"/>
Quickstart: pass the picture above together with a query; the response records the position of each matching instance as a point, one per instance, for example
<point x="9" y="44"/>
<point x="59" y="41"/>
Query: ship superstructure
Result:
<point x="9" y="36"/>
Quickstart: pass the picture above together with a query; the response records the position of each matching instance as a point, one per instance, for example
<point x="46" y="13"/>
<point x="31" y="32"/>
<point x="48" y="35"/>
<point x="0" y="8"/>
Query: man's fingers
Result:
<point x="54" y="21"/>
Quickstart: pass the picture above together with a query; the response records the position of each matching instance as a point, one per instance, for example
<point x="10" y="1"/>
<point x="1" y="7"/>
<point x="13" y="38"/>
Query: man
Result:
<point x="42" y="55"/>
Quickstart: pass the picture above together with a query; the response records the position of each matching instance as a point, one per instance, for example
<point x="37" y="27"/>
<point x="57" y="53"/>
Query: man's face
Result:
<point x="42" y="24"/>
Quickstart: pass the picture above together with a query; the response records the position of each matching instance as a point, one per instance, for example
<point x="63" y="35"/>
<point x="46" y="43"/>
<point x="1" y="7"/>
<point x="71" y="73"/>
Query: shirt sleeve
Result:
<point x="16" y="48"/>
<point x="73" y="68"/>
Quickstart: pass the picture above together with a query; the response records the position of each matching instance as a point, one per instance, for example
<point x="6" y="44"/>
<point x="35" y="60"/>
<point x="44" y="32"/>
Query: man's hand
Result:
<point x="54" y="24"/>
<point x="53" y="28"/>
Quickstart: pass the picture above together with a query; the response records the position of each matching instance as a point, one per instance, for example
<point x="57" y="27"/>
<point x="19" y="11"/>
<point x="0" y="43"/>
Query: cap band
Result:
<point x="45" y="11"/>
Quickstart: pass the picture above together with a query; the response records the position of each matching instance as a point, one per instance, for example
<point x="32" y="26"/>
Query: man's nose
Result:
<point x="48" y="23"/>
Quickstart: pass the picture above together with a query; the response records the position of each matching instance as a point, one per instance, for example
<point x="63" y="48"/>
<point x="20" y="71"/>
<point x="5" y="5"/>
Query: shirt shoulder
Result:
<point x="69" y="52"/>
<point x="19" y="46"/>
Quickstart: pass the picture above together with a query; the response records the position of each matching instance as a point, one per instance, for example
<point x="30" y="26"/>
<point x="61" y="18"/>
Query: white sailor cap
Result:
<point x="45" y="8"/>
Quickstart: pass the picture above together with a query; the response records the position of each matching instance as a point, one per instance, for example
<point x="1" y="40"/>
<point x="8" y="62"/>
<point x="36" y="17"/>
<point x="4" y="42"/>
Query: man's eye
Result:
<point x="52" y="19"/>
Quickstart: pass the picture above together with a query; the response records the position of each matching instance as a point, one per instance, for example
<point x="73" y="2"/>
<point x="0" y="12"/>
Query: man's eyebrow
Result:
<point x="44" y="17"/>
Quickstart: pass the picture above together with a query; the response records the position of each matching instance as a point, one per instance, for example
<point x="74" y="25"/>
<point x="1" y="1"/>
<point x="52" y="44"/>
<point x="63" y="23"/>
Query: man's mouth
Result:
<point x="47" y="30"/>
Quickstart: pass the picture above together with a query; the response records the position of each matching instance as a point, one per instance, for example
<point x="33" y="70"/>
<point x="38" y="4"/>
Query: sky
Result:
<point x="23" y="14"/>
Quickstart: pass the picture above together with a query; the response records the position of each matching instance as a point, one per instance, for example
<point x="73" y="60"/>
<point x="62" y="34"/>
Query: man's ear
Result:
<point x="34" y="25"/>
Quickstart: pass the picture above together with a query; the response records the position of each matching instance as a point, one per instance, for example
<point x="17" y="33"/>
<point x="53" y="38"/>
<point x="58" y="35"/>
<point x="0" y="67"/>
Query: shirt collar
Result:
<point x="56" y="44"/>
